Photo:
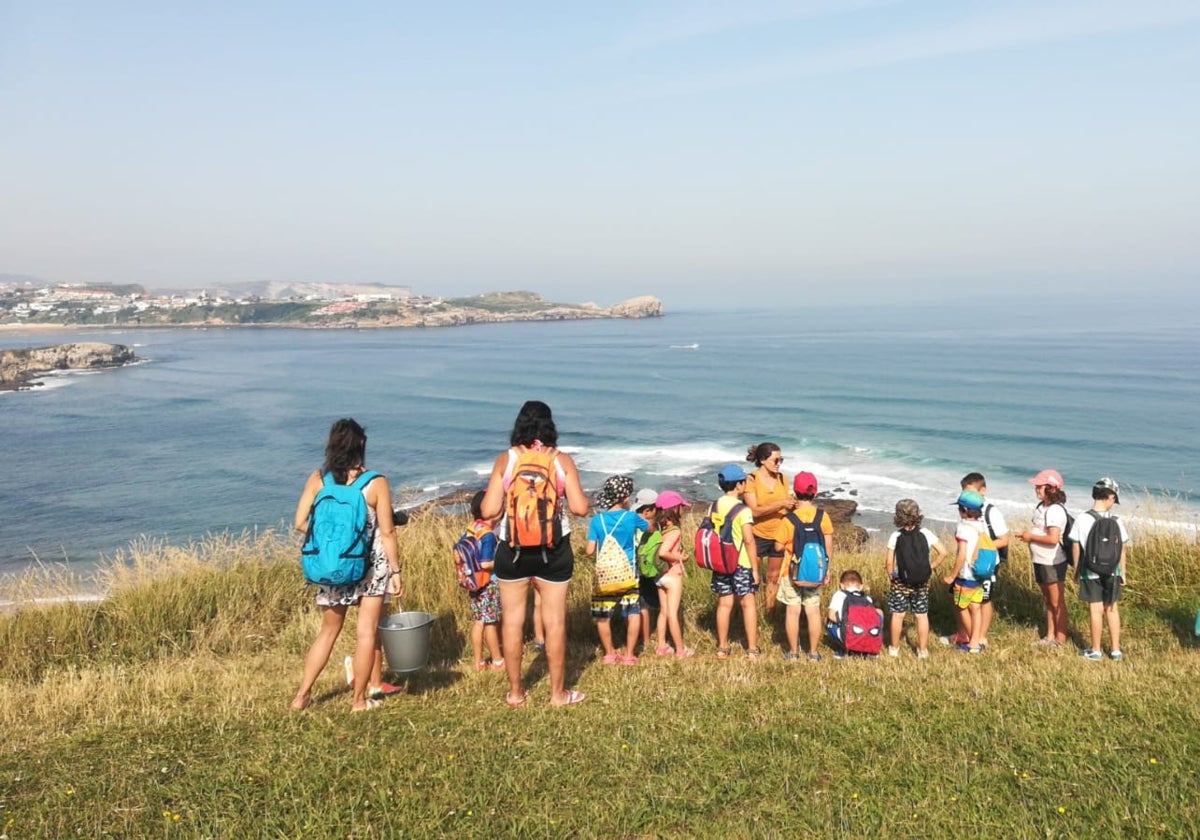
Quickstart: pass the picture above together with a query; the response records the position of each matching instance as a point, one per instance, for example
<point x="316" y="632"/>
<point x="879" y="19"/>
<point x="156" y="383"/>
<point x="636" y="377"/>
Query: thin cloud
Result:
<point x="997" y="28"/>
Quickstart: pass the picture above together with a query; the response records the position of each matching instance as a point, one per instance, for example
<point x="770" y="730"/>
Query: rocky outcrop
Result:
<point x="19" y="367"/>
<point x="645" y="306"/>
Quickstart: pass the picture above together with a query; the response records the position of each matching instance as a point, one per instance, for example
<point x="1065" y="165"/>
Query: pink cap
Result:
<point x="1050" y="477"/>
<point x="668" y="499"/>
<point x="804" y="483"/>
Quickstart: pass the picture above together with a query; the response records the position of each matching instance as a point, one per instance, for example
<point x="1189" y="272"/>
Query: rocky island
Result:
<point x="19" y="368"/>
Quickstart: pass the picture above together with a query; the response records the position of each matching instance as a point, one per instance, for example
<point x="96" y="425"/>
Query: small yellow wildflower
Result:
<point x="1154" y="761"/>
<point x="1062" y="810"/>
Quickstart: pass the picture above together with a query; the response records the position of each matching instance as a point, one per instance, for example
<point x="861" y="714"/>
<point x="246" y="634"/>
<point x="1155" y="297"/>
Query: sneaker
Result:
<point x="836" y="655"/>
<point x="922" y="654"/>
<point x="893" y="651"/>
<point x="1092" y="655"/>
<point x="1117" y="655"/>
<point x="974" y="650"/>
<point x="815" y="657"/>
<point x="964" y="647"/>
<point x="946" y="640"/>
<point x="788" y="656"/>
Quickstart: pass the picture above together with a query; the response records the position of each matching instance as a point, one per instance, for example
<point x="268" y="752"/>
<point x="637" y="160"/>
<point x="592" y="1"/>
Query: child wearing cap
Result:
<point x="668" y="511"/>
<point x="967" y="593"/>
<point x="997" y="528"/>
<point x="743" y="583"/>
<point x="648" y="562"/>
<point x="616" y="520"/>
<point x="806" y="599"/>
<point x="1099" y="591"/>
<point x="1044" y="538"/>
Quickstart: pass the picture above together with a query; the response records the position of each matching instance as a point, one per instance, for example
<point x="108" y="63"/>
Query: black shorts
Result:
<point x="1050" y="574"/>
<point x="648" y="592"/>
<point x="766" y="548"/>
<point x="553" y="565"/>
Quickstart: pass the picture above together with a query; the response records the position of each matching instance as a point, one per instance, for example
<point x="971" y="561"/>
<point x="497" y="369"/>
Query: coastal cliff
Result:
<point x="19" y="367"/>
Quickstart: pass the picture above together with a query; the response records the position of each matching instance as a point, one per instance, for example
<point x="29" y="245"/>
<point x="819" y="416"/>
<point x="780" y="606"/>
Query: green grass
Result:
<point x="162" y="712"/>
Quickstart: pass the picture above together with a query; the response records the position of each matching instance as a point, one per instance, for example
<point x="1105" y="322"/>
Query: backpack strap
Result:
<point x="987" y="519"/>
<point x="364" y="479"/>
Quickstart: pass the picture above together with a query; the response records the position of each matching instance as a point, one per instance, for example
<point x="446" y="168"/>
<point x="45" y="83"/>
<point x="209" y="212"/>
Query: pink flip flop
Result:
<point x="573" y="697"/>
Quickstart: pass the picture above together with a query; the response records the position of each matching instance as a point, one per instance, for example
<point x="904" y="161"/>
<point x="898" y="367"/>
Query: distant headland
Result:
<point x="318" y="306"/>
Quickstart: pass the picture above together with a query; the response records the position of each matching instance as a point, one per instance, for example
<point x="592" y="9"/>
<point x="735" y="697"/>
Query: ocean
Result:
<point x="217" y="428"/>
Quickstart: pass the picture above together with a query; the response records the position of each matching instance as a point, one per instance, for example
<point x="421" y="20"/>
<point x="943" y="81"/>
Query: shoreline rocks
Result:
<point x="19" y="368"/>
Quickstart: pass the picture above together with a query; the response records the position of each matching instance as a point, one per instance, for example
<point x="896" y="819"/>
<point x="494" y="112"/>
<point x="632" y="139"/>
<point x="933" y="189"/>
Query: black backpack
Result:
<point x="912" y="558"/>
<point x="1101" y="552"/>
<point x="1064" y="539"/>
<point x="1001" y="553"/>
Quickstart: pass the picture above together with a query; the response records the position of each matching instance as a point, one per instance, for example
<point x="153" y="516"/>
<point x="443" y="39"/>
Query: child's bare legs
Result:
<point x="813" y="617"/>
<point x="922" y="620"/>
<point x="1056" y="612"/>
<point x="1095" y="623"/>
<point x="332" y="619"/>
<point x="897" y="627"/>
<point x="513" y="604"/>
<point x="646" y="622"/>
<point x="365" y="643"/>
<point x="973" y="615"/>
<point x="477" y="641"/>
<point x="491" y="637"/>
<point x="633" y="626"/>
<point x="750" y="619"/>
<point x="962" y="632"/>
<point x="1114" y="626"/>
<point x="668" y="616"/>
<point x="985" y="620"/>
<point x="724" y="612"/>
<point x="604" y="630"/>
<point x="791" y="627"/>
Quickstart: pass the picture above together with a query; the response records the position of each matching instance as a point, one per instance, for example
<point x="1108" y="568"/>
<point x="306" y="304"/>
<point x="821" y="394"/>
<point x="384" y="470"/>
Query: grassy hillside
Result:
<point x="163" y="711"/>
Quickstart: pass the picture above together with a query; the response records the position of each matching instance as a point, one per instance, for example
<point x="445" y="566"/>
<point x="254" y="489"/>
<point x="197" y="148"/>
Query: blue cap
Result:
<point x="731" y="474"/>
<point x="970" y="500"/>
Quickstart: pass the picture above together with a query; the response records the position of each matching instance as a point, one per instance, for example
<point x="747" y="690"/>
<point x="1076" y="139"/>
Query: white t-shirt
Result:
<point x="993" y="516"/>
<point x="968" y="532"/>
<point x="1044" y="519"/>
<point x="1083" y="527"/>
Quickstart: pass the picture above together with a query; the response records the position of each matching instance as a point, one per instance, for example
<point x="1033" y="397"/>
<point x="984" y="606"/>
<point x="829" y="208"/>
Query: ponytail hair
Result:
<point x="760" y="453"/>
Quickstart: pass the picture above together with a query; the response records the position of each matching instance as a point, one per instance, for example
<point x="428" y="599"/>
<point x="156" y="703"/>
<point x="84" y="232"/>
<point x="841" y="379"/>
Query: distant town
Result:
<point x="321" y="305"/>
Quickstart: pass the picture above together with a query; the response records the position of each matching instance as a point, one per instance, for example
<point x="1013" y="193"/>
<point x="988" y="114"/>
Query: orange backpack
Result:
<point x="533" y="500"/>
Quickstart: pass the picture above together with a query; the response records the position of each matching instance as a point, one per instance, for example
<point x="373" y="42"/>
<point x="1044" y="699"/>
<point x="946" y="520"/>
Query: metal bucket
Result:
<point x="405" y="640"/>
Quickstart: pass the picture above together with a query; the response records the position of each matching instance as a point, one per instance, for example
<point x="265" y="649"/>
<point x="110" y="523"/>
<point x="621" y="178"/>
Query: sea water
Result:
<point x="217" y="429"/>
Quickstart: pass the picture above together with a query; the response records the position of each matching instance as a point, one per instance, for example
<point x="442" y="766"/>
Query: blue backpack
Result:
<point x="337" y="548"/>
<point x="983" y="567"/>
<point x="810" y="562"/>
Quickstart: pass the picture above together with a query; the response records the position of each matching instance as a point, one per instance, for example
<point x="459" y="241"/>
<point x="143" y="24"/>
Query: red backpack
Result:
<point x="862" y="628"/>
<point x="715" y="549"/>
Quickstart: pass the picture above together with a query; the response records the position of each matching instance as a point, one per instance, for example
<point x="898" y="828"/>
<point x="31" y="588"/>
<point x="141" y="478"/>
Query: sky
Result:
<point x="706" y="153"/>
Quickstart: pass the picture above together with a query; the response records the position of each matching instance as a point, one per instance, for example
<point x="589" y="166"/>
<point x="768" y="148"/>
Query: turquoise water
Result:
<point x="217" y="429"/>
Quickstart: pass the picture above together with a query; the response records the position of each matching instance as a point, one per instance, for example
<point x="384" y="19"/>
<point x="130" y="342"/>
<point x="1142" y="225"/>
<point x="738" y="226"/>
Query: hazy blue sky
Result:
<point x="793" y="151"/>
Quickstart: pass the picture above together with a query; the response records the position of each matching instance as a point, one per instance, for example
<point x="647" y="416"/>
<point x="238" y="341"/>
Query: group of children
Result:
<point x="643" y="532"/>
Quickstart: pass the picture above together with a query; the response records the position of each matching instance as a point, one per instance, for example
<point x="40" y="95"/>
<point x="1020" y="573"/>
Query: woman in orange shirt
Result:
<point x="769" y="499"/>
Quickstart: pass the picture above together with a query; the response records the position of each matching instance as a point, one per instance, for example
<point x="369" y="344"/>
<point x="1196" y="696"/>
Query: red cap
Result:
<point x="805" y="484"/>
